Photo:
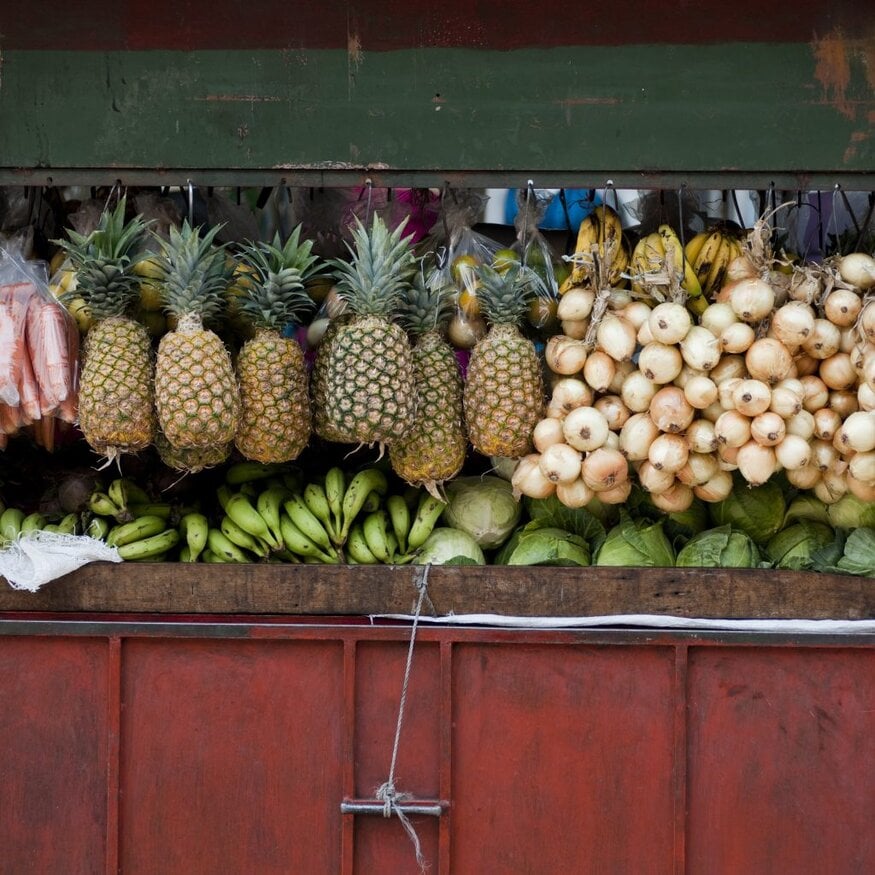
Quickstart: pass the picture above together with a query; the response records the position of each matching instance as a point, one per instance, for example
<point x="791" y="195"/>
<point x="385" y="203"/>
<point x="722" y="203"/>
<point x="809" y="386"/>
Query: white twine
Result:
<point x="387" y="793"/>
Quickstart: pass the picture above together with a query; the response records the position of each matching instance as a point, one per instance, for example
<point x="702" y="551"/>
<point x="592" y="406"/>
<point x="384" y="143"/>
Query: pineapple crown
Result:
<point x="195" y="272"/>
<point x="103" y="262"/>
<point x="504" y="296"/>
<point x="429" y="303"/>
<point x="275" y="294"/>
<point x="374" y="282"/>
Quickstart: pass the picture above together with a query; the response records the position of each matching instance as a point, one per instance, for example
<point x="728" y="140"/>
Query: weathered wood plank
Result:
<point x="568" y="592"/>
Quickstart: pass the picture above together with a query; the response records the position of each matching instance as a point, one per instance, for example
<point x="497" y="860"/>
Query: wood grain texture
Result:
<point x="341" y="590"/>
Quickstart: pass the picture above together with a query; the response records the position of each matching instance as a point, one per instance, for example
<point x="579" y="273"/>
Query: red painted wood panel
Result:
<point x="231" y="757"/>
<point x="562" y="760"/>
<point x="782" y="761"/>
<point x="53" y="768"/>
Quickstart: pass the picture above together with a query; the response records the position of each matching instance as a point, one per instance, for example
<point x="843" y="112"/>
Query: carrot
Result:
<point x="47" y="424"/>
<point x="9" y="419"/>
<point x="69" y="408"/>
<point x="28" y="390"/>
<point x="47" y="344"/>
<point x="14" y="298"/>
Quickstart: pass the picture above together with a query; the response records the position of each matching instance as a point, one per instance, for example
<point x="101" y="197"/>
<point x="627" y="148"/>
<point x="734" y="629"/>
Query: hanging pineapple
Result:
<point x="116" y="409"/>
<point x="190" y="461"/>
<point x="504" y="393"/>
<point x="275" y="418"/>
<point x="434" y="450"/>
<point x="368" y="389"/>
<point x="195" y="389"/>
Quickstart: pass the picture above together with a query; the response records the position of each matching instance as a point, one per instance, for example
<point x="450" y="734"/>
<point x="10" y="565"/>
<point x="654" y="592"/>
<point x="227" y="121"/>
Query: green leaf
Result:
<point x="579" y="521"/>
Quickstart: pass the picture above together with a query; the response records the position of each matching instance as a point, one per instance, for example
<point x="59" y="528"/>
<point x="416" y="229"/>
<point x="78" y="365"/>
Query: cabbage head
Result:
<point x="636" y="543"/>
<point x="484" y="507"/>
<point x="449" y="547"/>
<point x="795" y="546"/>
<point x="757" y="511"/>
<point x="719" y="548"/>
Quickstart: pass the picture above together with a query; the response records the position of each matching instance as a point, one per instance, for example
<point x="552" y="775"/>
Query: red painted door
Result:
<point x="228" y="748"/>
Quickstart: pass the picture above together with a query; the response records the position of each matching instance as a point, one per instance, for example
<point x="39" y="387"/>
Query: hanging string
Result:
<point x="387" y="793"/>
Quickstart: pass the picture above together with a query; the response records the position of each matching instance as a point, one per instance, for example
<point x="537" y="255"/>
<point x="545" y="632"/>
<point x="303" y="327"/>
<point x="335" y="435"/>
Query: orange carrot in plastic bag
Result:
<point x="13" y="309"/>
<point x="68" y="410"/>
<point x="29" y="394"/>
<point x="47" y="346"/>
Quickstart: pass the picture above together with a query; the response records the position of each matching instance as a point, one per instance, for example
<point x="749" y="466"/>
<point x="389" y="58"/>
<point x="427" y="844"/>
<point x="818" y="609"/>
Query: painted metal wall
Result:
<point x="634" y="90"/>
<point x="205" y="747"/>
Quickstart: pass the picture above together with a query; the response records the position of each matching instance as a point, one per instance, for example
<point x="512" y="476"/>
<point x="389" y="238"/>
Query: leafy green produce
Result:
<point x="484" y="507"/>
<point x="539" y="544"/>
<point x="719" y="548"/>
<point x="757" y="511"/>
<point x="446" y="546"/>
<point x="796" y="546"/>
<point x="636" y="543"/>
<point x="850" y="512"/>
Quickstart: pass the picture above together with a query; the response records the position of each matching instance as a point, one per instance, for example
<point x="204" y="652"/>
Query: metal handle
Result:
<point x="375" y="807"/>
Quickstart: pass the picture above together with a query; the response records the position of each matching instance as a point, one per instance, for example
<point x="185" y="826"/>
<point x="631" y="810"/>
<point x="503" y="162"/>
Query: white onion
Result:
<point x="636" y="436"/>
<point x="565" y="355"/>
<point x="614" y="411"/>
<point x="659" y="362"/>
<point x="644" y="336"/>
<point x="858" y="357"/>
<point x="826" y="423"/>
<point x="670" y="410"/>
<point x="701" y="437"/>
<point x="612" y="441"/>
<point x="831" y="487"/>
<point x="547" y="432"/>
<point x="756" y="462"/>
<point x="604" y="469"/>
<point x="715" y="489"/>
<point x="616" y="337"/>
<point x="863" y="491"/>
<point x="752" y="299"/>
<point x="618" y="494"/>
<point x="686" y="374"/>
<point x="575" y="328"/>
<point x="576" y="305"/>
<point x="793" y="452"/>
<point x="637" y="392"/>
<point x="527" y="479"/>
<point x="805" y="286"/>
<point x="857" y="432"/>
<point x="669" y="323"/>
<point x="806" y="477"/>
<point x="869" y="370"/>
<point x="768" y="360"/>
<point x="619" y="299"/>
<point x="700" y="348"/>
<point x="751" y="397"/>
<point x="621" y="371"/>
<point x="729" y="366"/>
<point x="865" y="397"/>
<point x="842" y="307"/>
<point x="585" y="429"/>
<point x="569" y="394"/>
<point x="675" y="499"/>
<point x="712" y="412"/>
<point x="718" y="317"/>
<point x="787" y="398"/>
<point x="849" y="340"/>
<point x="740" y="268"/>
<point x="737" y="337"/>
<point x="599" y="370"/>
<point x="838" y="371"/>
<point x="793" y="323"/>
<point x="727" y="457"/>
<point x="653" y="479"/>
<point x="574" y="494"/>
<point x="844" y="403"/>
<point x="668" y="452"/>
<point x="560" y="463"/>
<point x="732" y="429"/>
<point x="867" y="321"/>
<point x="636" y="313"/>
<point x="801" y="424"/>
<point x="824" y="341"/>
<point x="768" y="429"/>
<point x="726" y="392"/>
<point x="805" y="365"/>
<point x="858" y="269"/>
<point x="700" y="468"/>
<point x="816" y="393"/>
<point x="700" y="392"/>
<point x="862" y="467"/>
<point x="823" y="454"/>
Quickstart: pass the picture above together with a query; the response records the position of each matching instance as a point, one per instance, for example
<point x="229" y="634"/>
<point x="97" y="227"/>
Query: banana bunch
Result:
<point x="710" y="253"/>
<point x="663" y="250"/>
<point x="599" y="241"/>
<point x="125" y="501"/>
<point x="14" y="522"/>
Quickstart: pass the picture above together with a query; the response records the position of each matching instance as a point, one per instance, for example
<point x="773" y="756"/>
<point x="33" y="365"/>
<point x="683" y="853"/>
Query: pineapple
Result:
<point x="504" y="393"/>
<point x="275" y="418"/>
<point x="368" y="393"/>
<point x="116" y="408"/>
<point x="190" y="461"/>
<point x="195" y="389"/>
<point x="434" y="450"/>
<point x="319" y="383"/>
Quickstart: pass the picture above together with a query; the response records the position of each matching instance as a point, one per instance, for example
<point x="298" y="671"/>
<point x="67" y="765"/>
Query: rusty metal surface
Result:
<point x="134" y="748"/>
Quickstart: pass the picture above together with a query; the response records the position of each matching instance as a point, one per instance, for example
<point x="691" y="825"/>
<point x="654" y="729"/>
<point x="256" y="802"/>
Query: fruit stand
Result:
<point x="171" y="716"/>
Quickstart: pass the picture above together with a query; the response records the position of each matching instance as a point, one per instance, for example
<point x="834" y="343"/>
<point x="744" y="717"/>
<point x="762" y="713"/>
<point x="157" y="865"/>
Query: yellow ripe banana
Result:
<point x="335" y="489"/>
<point x="360" y="487"/>
<point x="297" y="542"/>
<point x="399" y="515"/>
<point x="224" y="549"/>
<point x="32" y="523"/>
<point x="427" y="515"/>
<point x="704" y="260"/>
<point x="194" y="527"/>
<point x="357" y="548"/>
<point x="269" y="505"/>
<point x="316" y="499"/>
<point x="694" y="246"/>
<point x="375" y="527"/>
<point x="101" y="504"/>
<point x="240" y="509"/>
<point x="672" y="243"/>
<point x="137" y="530"/>
<point x="247" y="472"/>
<point x="718" y="269"/>
<point x="149" y="548"/>
<point x="307" y="522"/>
<point x="10" y="523"/>
<point x="242" y="539"/>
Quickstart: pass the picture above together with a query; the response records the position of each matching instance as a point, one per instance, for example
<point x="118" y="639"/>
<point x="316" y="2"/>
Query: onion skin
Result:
<point x="670" y="410"/>
<point x="858" y="269"/>
<point x="528" y="480"/>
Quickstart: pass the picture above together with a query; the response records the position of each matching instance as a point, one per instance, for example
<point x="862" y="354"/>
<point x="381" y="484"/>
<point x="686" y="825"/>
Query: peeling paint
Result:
<point x="238" y="98"/>
<point x="354" y="59"/>
<point x="833" y="70"/>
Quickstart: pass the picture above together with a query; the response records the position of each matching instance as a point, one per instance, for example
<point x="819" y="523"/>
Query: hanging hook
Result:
<point x="369" y="188"/>
<point x="609" y="186"/>
<point x="681" y="232"/>
<point x="190" y="203"/>
<point x="116" y="189"/>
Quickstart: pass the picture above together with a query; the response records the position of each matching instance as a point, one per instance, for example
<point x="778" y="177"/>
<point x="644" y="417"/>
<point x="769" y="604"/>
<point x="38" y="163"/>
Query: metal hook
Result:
<point x="609" y="186"/>
<point x="681" y="233"/>
<point x="190" y="203"/>
<point x="369" y="187"/>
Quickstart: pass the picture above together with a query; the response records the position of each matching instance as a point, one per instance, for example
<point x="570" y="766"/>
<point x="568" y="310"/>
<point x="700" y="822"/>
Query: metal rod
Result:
<point x="376" y="808"/>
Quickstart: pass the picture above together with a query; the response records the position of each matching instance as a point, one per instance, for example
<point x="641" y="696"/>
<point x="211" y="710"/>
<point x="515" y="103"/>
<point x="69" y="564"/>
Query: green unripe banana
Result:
<point x="242" y="539"/>
<point x="102" y="505"/>
<point x="98" y="528"/>
<point x="224" y="549"/>
<point x="360" y="487"/>
<point x="32" y="523"/>
<point x="357" y="548"/>
<point x="375" y="527"/>
<point x="194" y="527"/>
<point x="136" y="530"/>
<point x="247" y="472"/>
<point x="165" y="511"/>
<point x="307" y="522"/>
<point x="427" y="515"/>
<point x="149" y="548"/>
<point x="240" y="509"/>
<point x="316" y="499"/>
<point x="10" y="523"/>
<point x="335" y="489"/>
<point x="297" y="542"/>
<point x="269" y="505"/>
<point x="69" y="524"/>
<point x="399" y="515"/>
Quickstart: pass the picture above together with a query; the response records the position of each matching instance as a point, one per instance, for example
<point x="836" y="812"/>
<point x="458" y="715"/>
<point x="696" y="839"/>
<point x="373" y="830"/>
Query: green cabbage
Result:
<point x="539" y="544"/>
<point x="850" y="512"/>
<point x="638" y="543"/>
<point x="449" y="547"/>
<point x="795" y="547"/>
<point x="757" y="511"/>
<point x="858" y="555"/>
<point x="719" y="548"/>
<point x="806" y="507"/>
<point x="484" y="507"/>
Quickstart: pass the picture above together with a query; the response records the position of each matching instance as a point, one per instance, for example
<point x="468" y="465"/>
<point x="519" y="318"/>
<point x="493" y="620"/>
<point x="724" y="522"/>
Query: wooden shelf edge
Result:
<point x="175" y="588"/>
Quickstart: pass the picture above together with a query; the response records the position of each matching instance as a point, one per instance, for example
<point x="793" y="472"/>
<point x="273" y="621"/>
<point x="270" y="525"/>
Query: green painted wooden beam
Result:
<point x="718" y="113"/>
